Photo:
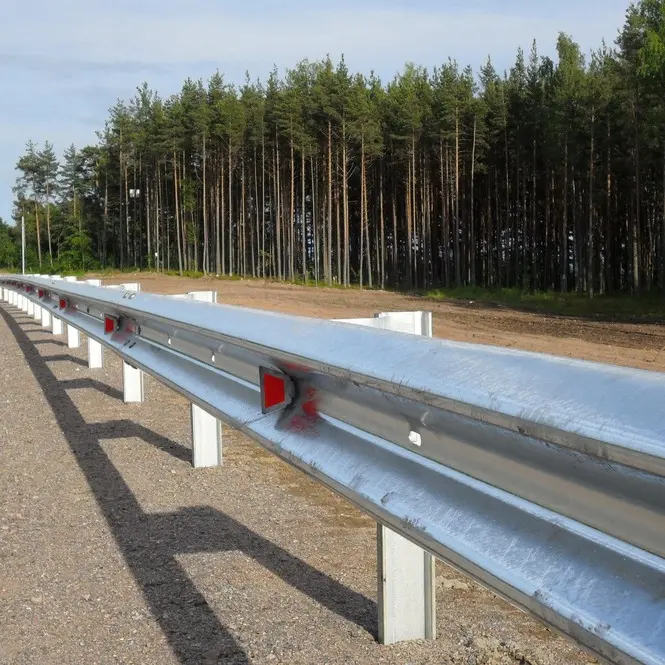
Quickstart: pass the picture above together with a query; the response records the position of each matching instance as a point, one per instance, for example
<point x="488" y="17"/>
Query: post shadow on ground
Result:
<point x="127" y="429"/>
<point x="62" y="357"/>
<point x="150" y="543"/>
<point x="54" y="342"/>
<point x="79" y="384"/>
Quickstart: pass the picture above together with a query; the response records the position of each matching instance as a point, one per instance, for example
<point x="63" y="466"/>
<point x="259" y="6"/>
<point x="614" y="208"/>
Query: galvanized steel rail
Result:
<point x="541" y="477"/>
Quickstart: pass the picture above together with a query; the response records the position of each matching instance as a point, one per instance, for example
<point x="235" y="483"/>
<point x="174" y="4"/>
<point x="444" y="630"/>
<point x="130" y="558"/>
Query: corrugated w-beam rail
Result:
<point x="543" y="478"/>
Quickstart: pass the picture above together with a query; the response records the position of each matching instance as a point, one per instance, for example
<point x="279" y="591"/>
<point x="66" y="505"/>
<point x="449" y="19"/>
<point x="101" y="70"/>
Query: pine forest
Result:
<point x="547" y="177"/>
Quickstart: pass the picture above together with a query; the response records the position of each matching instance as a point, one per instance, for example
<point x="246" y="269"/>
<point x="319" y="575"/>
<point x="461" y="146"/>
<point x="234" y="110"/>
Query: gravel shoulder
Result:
<point x="113" y="549"/>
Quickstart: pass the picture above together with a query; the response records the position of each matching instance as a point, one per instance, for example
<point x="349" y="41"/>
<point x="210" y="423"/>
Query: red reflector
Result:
<point x="110" y="324"/>
<point x="62" y="304"/>
<point x="40" y="293"/>
<point x="276" y="390"/>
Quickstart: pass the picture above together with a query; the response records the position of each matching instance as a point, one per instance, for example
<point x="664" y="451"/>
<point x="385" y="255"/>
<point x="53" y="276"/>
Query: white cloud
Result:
<point x="89" y="31"/>
<point x="60" y="73"/>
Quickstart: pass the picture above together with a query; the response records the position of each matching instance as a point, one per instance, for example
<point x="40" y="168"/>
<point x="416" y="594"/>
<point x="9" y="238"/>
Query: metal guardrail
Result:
<point x="541" y="477"/>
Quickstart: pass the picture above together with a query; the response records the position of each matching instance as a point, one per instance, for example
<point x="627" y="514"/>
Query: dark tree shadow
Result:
<point x="125" y="429"/>
<point x="80" y="384"/>
<point x="150" y="543"/>
<point x="63" y="357"/>
<point x="55" y="342"/>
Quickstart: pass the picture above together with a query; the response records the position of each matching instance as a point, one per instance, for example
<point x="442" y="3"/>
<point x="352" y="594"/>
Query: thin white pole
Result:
<point x="23" y="244"/>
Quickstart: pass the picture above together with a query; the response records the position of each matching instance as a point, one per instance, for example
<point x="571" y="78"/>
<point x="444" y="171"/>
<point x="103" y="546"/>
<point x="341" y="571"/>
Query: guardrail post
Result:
<point x="206" y="429"/>
<point x="206" y="439"/>
<point x="30" y="311"/>
<point x="95" y="349"/>
<point x="56" y="326"/>
<point x="46" y="317"/>
<point x="132" y="384"/>
<point x="132" y="377"/>
<point x="37" y="312"/>
<point x="405" y="573"/>
<point x="73" y="335"/>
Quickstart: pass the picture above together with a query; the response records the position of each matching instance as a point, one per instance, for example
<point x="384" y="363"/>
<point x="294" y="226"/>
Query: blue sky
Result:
<point x="63" y="63"/>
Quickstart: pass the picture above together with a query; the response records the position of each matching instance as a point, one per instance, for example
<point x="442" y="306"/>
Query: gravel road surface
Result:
<point x="113" y="549"/>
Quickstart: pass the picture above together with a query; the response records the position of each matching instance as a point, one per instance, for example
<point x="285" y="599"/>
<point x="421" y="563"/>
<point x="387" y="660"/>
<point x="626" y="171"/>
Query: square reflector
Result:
<point x="276" y="390"/>
<point x="62" y="304"/>
<point x="110" y="324"/>
<point x="40" y="293"/>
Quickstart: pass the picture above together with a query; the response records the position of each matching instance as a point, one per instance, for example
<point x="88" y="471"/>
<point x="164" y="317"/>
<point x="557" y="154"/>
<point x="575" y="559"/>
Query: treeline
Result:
<point x="550" y="176"/>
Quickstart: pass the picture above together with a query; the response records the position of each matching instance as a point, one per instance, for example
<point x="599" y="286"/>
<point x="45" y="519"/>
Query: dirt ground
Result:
<point x="113" y="549"/>
<point x="636" y="345"/>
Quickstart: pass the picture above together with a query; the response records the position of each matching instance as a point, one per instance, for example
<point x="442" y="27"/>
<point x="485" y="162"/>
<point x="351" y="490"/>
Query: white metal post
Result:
<point x="37" y="316"/>
<point x="73" y="335"/>
<point x="95" y="349"/>
<point x="132" y="377"/>
<point x="46" y="317"/>
<point x="206" y="439"/>
<point x="206" y="429"/>
<point x="405" y="573"/>
<point x="132" y="383"/>
<point x="31" y="308"/>
<point x="95" y="354"/>
<point x="56" y="325"/>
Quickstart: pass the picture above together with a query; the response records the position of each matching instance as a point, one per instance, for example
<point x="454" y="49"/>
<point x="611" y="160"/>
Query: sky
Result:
<point x="64" y="63"/>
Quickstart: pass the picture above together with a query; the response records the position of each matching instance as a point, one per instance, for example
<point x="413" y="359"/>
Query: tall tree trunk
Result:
<point x="382" y="228"/>
<point x="263" y="204"/>
<point x="230" y="184"/>
<point x="458" y="274"/>
<point x="472" y="230"/>
<point x="278" y="221"/>
<point x="564" y="221"/>
<point x="292" y="233"/>
<point x="48" y="222"/>
<point x="303" y="216"/>
<point x="536" y="269"/>
<point x="206" y="232"/>
<point x="345" y="209"/>
<point x="177" y="210"/>
<point x="590" y="247"/>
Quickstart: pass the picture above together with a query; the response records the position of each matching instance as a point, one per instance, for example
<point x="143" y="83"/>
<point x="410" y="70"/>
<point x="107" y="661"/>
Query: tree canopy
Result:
<point x="548" y="176"/>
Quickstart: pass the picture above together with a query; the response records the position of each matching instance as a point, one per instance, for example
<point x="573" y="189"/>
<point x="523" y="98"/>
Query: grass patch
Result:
<point x="619" y="307"/>
<point x="649" y="307"/>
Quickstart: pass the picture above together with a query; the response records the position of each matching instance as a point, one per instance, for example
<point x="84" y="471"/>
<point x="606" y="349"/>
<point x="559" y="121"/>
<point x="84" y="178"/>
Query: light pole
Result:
<point x="23" y="244"/>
